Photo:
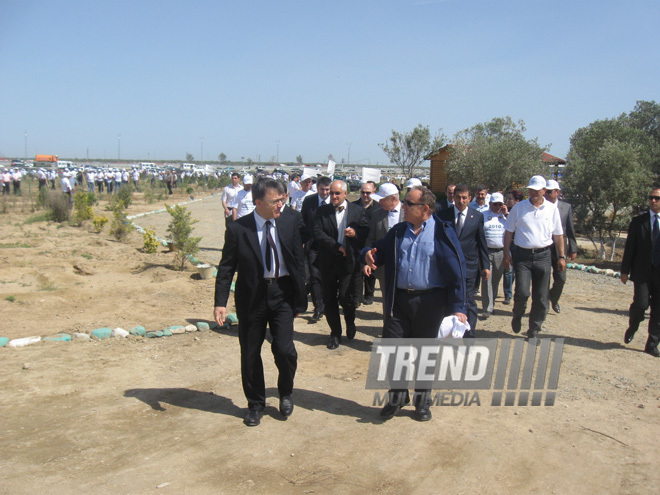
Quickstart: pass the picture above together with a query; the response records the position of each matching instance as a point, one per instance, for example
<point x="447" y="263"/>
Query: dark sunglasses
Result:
<point x="654" y="198"/>
<point x="410" y="203"/>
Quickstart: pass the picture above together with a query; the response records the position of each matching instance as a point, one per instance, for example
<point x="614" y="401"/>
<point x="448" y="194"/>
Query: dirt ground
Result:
<point x="158" y="416"/>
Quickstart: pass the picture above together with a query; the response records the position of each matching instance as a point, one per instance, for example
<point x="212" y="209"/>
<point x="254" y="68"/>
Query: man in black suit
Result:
<point x="469" y="225"/>
<point x="308" y="210"/>
<point x="265" y="248"/>
<point x="370" y="206"/>
<point x="641" y="263"/>
<point x="445" y="203"/>
<point x="570" y="243"/>
<point x="340" y="230"/>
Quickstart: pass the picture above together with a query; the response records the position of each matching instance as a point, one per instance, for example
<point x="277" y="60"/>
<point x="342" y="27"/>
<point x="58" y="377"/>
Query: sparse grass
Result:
<point x="10" y="298"/>
<point x="87" y="256"/>
<point x="10" y="245"/>
<point x="45" y="284"/>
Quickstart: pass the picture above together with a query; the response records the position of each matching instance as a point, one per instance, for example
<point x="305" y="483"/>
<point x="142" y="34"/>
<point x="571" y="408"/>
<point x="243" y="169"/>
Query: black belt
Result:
<point x="495" y="250"/>
<point x="416" y="292"/>
<point x="535" y="250"/>
<point x="271" y="281"/>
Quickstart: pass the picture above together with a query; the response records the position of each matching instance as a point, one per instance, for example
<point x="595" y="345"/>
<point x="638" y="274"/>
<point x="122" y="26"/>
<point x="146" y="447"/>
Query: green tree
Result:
<point x="646" y="118"/>
<point x="607" y="174"/>
<point x="180" y="229"/>
<point x="190" y="157"/>
<point x="223" y="158"/>
<point x="299" y="159"/>
<point x="407" y="150"/>
<point x="496" y="154"/>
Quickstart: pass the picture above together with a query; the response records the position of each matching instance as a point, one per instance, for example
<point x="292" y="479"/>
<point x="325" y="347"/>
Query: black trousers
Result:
<point x="531" y="269"/>
<point x="647" y="294"/>
<point x="415" y="315"/>
<point x="314" y="280"/>
<point x="471" y="284"/>
<point x="276" y="312"/>
<point x="558" y="279"/>
<point x="338" y="288"/>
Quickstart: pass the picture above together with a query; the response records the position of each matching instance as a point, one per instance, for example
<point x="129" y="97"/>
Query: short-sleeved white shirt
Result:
<point x="243" y="202"/>
<point x="534" y="227"/>
<point x="494" y="228"/>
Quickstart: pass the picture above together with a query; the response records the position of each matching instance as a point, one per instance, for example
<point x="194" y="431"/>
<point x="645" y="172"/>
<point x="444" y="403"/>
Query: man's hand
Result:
<point x="461" y="317"/>
<point x="342" y="250"/>
<point x="485" y="274"/>
<point x="219" y="314"/>
<point x="624" y="277"/>
<point x="572" y="256"/>
<point x="366" y="270"/>
<point x="506" y="260"/>
<point x="561" y="264"/>
<point x="349" y="232"/>
<point x="369" y="259"/>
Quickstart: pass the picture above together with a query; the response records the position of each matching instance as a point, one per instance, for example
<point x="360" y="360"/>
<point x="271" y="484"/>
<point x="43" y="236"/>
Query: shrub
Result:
<point x="150" y="241"/>
<point x="149" y="195"/>
<point x="180" y="229"/>
<point x="120" y="227"/>
<point x="99" y="222"/>
<point x="190" y="190"/>
<point x="58" y="205"/>
<point x="125" y="195"/>
<point x="82" y="209"/>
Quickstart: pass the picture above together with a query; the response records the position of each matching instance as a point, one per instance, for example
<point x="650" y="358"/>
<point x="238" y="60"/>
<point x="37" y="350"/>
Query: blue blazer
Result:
<point x="449" y="257"/>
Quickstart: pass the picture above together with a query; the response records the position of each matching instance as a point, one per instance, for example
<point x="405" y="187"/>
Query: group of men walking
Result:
<point x="430" y="259"/>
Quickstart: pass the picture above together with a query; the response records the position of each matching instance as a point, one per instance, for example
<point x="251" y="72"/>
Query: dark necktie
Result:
<point x="459" y="223"/>
<point x="271" y="251"/>
<point x="656" y="241"/>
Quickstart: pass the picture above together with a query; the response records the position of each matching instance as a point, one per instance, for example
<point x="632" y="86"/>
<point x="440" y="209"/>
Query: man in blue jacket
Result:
<point x="424" y="282"/>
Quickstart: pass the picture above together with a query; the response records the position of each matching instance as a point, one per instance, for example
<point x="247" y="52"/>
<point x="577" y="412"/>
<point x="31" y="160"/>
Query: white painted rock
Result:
<point x="82" y="336"/>
<point x="191" y="328"/>
<point x="120" y="332"/>
<point x="177" y="329"/>
<point x="23" y="342"/>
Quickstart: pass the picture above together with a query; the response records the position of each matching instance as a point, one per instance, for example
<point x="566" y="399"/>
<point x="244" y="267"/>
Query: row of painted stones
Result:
<point x="107" y="332"/>
<point x="592" y="269"/>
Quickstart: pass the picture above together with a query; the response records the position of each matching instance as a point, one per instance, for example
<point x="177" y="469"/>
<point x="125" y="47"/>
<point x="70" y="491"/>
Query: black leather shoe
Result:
<point x="507" y="301"/>
<point x="286" y="405"/>
<point x="253" y="418"/>
<point x="334" y="342"/>
<point x="653" y="351"/>
<point x="533" y="336"/>
<point x="423" y="413"/>
<point x="368" y="301"/>
<point x="628" y="337"/>
<point x="390" y="410"/>
<point x="556" y="308"/>
<point x="317" y="315"/>
<point x="350" y="331"/>
<point x="516" y="325"/>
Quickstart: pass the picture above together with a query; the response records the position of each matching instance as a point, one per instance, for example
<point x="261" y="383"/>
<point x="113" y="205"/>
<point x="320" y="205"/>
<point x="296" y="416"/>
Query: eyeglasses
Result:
<point x="654" y="198"/>
<point x="410" y="203"/>
<point x="365" y="192"/>
<point x="335" y="193"/>
<point x="274" y="202"/>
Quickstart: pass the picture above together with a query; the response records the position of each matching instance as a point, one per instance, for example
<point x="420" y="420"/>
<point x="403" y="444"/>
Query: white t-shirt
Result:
<point x="534" y="227"/>
<point x="243" y="202"/>
<point x="229" y="195"/>
<point x="298" y="197"/>
<point x="494" y="229"/>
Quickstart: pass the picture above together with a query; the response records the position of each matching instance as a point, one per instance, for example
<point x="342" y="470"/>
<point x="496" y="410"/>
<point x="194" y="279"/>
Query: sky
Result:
<point x="270" y="80"/>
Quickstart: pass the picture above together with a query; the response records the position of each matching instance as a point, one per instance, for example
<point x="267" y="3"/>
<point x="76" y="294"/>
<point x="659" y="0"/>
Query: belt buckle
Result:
<point x="269" y="281"/>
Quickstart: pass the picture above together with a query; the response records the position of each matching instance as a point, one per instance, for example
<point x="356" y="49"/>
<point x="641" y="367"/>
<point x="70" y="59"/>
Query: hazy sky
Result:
<point x="317" y="76"/>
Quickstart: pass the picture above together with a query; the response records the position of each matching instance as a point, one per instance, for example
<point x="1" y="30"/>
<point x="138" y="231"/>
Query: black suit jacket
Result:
<point x="242" y="253"/>
<point x="637" y="259"/>
<point x="308" y="211"/>
<point x="305" y="234"/>
<point x="473" y="240"/>
<point x="374" y="206"/>
<point x="443" y="204"/>
<point x="325" y="235"/>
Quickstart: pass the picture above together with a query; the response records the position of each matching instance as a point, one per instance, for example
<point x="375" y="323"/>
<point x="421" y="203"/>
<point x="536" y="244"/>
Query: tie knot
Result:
<point x="339" y="208"/>
<point x="268" y="224"/>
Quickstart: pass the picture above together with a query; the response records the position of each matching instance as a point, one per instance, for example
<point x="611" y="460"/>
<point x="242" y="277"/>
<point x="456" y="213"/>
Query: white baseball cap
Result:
<point x="386" y="189"/>
<point x="496" y="198"/>
<point x="305" y="176"/>
<point x="247" y="179"/>
<point x="413" y="182"/>
<point x="537" y="183"/>
<point x="552" y="185"/>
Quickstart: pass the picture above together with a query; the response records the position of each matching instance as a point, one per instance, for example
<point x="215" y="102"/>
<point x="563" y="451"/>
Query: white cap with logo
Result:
<point x="386" y="189"/>
<point x="537" y="183"/>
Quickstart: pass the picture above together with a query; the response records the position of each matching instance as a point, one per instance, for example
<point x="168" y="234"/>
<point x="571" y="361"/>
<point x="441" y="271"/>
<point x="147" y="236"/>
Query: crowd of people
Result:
<point x="431" y="259"/>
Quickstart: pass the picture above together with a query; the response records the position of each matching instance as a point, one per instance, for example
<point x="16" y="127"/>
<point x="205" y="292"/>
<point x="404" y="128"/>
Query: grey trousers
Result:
<point x="531" y="269"/>
<point x="490" y="287"/>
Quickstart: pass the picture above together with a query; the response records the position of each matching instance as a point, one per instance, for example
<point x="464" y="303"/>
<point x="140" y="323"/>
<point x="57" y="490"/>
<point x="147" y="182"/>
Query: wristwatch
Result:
<point x="562" y="257"/>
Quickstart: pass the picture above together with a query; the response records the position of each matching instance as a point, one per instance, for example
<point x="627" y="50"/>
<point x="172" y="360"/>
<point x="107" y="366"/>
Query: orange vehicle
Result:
<point x="45" y="159"/>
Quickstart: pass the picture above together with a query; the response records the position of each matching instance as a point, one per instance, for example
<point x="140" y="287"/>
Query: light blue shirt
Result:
<point x="417" y="267"/>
